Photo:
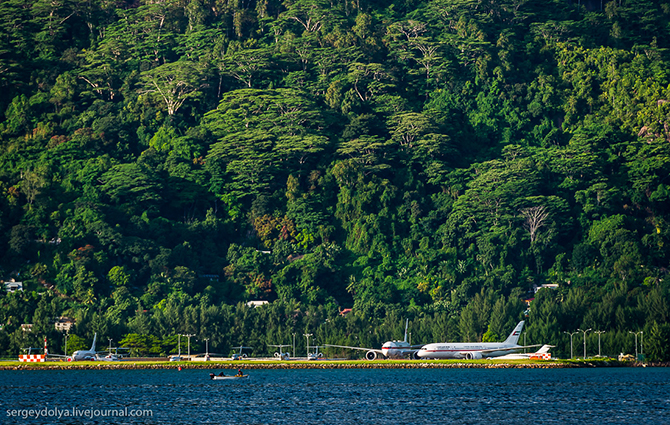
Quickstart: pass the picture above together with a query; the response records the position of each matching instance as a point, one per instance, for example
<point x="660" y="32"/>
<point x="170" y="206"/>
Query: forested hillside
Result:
<point x="165" y="161"/>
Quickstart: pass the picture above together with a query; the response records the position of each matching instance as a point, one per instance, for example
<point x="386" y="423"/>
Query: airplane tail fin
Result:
<point x="94" y="338"/>
<point x="513" y="338"/>
<point x="406" y="325"/>
<point x="544" y="349"/>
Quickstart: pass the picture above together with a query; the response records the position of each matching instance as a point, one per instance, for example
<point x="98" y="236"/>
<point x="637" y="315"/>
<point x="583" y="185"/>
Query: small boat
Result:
<point x="217" y="377"/>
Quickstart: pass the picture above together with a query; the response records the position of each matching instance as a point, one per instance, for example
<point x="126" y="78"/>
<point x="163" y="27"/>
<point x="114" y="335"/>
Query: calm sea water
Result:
<point x="389" y="396"/>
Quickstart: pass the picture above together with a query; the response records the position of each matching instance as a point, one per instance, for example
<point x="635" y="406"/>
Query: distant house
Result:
<point x="13" y="286"/>
<point x="345" y="311"/>
<point x="64" y="324"/>
<point x="546" y="285"/>
<point x="27" y="327"/>
<point x="257" y="303"/>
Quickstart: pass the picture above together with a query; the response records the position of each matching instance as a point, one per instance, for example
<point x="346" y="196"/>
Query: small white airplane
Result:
<point x="281" y="355"/>
<point x="85" y="354"/>
<point x="474" y="350"/>
<point x="389" y="350"/>
<point x="539" y="354"/>
<point x="315" y="355"/>
<point x="240" y="355"/>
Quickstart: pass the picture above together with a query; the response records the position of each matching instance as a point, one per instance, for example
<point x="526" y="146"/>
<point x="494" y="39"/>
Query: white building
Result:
<point x="13" y="286"/>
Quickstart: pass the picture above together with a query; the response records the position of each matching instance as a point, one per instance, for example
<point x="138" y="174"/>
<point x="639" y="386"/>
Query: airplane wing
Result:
<point x="514" y="348"/>
<point x="354" y="348"/>
<point x="57" y="355"/>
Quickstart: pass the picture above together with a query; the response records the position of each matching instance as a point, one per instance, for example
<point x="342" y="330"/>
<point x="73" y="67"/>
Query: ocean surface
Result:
<point x="377" y="396"/>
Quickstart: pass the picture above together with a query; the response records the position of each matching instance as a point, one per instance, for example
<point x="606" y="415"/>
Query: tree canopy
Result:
<point x="165" y="162"/>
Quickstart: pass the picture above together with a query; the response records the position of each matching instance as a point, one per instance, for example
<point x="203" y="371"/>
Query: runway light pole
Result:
<point x="599" y="333"/>
<point x="307" y="335"/>
<point x="584" y="340"/>
<point x="635" y="333"/>
<point x="571" y="334"/>
<point x="189" y="345"/>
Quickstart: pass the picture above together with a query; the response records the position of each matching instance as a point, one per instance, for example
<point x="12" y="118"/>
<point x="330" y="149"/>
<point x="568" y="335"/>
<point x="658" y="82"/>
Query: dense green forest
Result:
<point x="163" y="162"/>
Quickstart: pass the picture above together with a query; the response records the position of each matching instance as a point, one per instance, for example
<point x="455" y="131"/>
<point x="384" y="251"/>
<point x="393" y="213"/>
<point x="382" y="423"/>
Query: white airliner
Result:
<point x="542" y="353"/>
<point x="390" y="349"/>
<point x="473" y="350"/>
<point x="84" y="354"/>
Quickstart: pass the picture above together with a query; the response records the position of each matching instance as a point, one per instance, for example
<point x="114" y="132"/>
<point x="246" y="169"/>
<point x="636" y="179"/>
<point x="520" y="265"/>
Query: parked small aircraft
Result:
<point x="240" y="355"/>
<point x="281" y="355"/>
<point x="390" y="349"/>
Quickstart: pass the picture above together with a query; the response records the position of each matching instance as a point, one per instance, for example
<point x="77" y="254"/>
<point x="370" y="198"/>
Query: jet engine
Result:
<point x="371" y="355"/>
<point x="473" y="355"/>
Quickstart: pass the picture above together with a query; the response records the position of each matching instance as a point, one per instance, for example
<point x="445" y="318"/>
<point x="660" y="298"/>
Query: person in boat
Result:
<point x="221" y="374"/>
<point x="239" y="372"/>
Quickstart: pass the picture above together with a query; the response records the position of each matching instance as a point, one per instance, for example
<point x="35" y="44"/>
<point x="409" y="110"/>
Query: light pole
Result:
<point x="293" y="344"/>
<point x="179" y="346"/>
<point x="599" y="333"/>
<point x="189" y="345"/>
<point x="570" y="333"/>
<point x="635" y="333"/>
<point x="584" y="340"/>
<point x="307" y="335"/>
<point x="206" y="348"/>
<point x="110" y="345"/>
<point x="66" y="335"/>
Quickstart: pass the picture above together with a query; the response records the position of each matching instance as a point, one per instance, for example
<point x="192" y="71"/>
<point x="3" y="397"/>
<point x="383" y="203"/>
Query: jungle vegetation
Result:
<point x="163" y="162"/>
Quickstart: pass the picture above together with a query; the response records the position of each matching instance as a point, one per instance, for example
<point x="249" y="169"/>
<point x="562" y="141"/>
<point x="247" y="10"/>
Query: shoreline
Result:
<point x="325" y="364"/>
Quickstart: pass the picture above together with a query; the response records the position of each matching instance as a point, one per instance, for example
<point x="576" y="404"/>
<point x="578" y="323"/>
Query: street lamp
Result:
<point x="584" y="340"/>
<point x="110" y="345"/>
<point x="571" y="334"/>
<point x="206" y="349"/>
<point x="66" y="335"/>
<point x="179" y="346"/>
<point x="293" y="344"/>
<point x="307" y="335"/>
<point x="599" y="333"/>
<point x="189" y="345"/>
<point x="635" y="333"/>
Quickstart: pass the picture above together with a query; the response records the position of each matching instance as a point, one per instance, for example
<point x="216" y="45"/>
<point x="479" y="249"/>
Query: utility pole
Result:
<point x="570" y="333"/>
<point x="179" y="346"/>
<point x="584" y="340"/>
<point x="599" y="333"/>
